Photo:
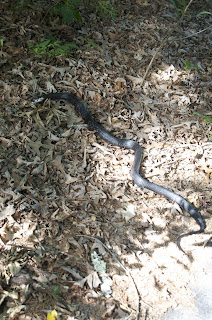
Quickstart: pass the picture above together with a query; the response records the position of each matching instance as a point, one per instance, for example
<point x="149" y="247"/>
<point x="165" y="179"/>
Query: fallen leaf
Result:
<point x="52" y="315"/>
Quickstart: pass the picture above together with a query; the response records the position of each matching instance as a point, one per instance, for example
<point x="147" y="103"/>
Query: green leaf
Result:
<point x="52" y="47"/>
<point x="206" y="118"/>
<point x="188" y="65"/>
<point x="76" y="3"/>
<point x="205" y="12"/>
<point x="67" y="14"/>
<point x="44" y="44"/>
<point x="175" y="3"/>
<point x="2" y="41"/>
<point x="184" y="5"/>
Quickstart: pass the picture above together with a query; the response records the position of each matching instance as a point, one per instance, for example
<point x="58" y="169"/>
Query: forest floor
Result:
<point x="76" y="235"/>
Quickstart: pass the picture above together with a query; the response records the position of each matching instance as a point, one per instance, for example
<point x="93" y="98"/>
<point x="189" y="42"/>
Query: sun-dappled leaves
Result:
<point x="74" y="230"/>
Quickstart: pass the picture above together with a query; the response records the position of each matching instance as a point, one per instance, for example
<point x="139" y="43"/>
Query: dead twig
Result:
<point x="124" y="268"/>
<point x="165" y="40"/>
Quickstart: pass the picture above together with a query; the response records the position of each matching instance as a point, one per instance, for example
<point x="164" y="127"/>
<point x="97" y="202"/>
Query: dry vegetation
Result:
<point x="69" y="211"/>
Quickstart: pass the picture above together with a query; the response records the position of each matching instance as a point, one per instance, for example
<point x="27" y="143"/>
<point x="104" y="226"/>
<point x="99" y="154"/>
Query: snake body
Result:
<point x="101" y="132"/>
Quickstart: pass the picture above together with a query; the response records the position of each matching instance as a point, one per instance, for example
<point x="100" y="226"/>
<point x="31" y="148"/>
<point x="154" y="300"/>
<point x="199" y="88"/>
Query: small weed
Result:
<point x="105" y="9"/>
<point x="20" y="7"/>
<point x="68" y="10"/>
<point x="204" y="12"/>
<point x="189" y="65"/>
<point x="207" y="119"/>
<point x="180" y="7"/>
<point x="88" y="42"/>
<point x="2" y="41"/>
<point x="52" y="47"/>
<point x="55" y="292"/>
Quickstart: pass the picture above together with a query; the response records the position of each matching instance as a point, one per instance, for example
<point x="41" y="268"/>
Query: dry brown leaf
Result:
<point x="7" y="212"/>
<point x="57" y="162"/>
<point x="135" y="80"/>
<point x="114" y="36"/>
<point x="142" y="3"/>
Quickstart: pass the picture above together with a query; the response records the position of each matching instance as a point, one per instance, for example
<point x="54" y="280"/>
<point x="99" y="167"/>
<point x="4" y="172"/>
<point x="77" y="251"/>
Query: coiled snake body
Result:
<point x="93" y="125"/>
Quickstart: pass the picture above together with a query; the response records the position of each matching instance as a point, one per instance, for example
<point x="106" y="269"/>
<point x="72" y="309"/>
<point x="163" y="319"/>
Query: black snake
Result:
<point x="93" y="125"/>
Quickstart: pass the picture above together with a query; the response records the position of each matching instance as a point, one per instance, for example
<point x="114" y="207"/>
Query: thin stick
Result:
<point x="124" y="268"/>
<point x="164" y="40"/>
<point x="194" y="34"/>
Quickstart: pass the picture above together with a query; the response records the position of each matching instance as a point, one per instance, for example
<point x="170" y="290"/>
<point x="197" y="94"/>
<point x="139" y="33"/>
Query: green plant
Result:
<point x="205" y="12"/>
<point x="68" y="10"/>
<point x="52" y="47"/>
<point x="21" y="7"/>
<point x="180" y="6"/>
<point x="55" y="292"/>
<point x="88" y="42"/>
<point x="105" y="9"/>
<point x="2" y="41"/>
<point x="189" y="66"/>
<point x="205" y="117"/>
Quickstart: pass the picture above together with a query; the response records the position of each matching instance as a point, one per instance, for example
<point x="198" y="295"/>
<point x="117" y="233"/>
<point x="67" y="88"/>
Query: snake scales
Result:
<point x="93" y="125"/>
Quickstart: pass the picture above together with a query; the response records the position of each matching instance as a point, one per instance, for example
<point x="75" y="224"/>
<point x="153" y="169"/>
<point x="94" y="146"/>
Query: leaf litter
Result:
<point x="62" y="189"/>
